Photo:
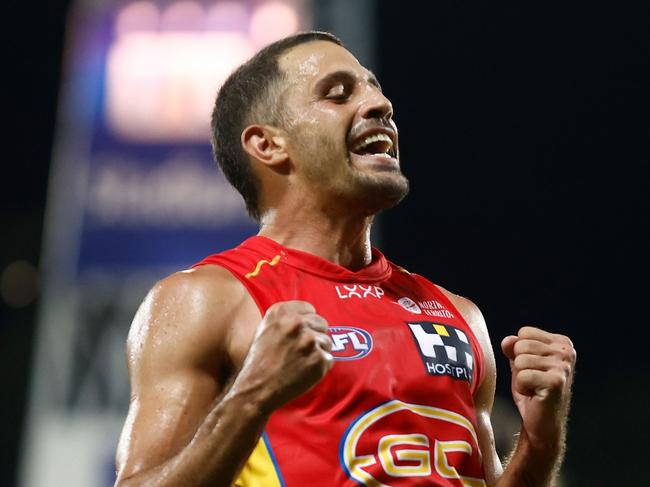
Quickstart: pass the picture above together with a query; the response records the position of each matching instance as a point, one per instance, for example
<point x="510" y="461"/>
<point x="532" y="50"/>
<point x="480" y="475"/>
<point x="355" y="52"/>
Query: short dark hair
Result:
<point x="244" y="99"/>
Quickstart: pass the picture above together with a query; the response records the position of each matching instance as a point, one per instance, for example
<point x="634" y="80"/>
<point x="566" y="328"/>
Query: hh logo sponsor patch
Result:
<point x="350" y="343"/>
<point x="445" y="350"/>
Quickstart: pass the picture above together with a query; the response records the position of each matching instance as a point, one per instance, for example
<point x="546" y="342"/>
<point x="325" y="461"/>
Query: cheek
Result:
<point x="318" y="119"/>
<point x="323" y="126"/>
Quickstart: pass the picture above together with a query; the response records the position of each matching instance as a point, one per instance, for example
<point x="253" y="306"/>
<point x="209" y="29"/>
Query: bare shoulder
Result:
<point x="190" y="311"/>
<point x="472" y="315"/>
<point x="179" y="359"/>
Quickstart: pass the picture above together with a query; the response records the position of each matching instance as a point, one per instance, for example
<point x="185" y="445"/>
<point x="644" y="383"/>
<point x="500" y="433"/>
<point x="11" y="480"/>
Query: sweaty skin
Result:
<point x="207" y="369"/>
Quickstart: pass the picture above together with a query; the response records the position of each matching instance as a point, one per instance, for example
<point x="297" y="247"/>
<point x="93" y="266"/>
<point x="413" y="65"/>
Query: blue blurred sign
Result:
<point x="150" y="203"/>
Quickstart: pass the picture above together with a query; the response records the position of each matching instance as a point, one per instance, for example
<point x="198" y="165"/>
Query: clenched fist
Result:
<point x="289" y="354"/>
<point x="542" y="365"/>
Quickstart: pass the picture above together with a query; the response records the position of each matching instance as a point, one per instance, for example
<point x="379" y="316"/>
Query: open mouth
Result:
<point x="375" y="144"/>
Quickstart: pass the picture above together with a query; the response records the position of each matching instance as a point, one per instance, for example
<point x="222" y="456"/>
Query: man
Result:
<point x="303" y="357"/>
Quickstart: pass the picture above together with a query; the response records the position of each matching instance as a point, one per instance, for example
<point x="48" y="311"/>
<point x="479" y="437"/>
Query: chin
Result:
<point x="381" y="190"/>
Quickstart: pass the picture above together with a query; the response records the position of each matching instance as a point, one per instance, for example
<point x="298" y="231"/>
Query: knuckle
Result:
<point x="566" y="340"/>
<point x="277" y="313"/>
<point x="517" y="347"/>
<point x="290" y="324"/>
<point x="526" y="346"/>
<point x="277" y="308"/>
<point x="522" y="379"/>
<point x="326" y="343"/>
<point x="523" y="375"/>
<point x="520" y="347"/>
<point x="323" y="322"/>
<point x="303" y="306"/>
<point x="295" y="319"/>
<point x="308" y="342"/>
<point x="520" y="361"/>
<point x="313" y="321"/>
<point x="556" y="380"/>
<point x="567" y="353"/>
<point x="528" y="331"/>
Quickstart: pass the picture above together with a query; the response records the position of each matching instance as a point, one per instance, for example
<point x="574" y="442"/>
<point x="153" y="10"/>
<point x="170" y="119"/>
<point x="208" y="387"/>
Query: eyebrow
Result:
<point x="343" y="75"/>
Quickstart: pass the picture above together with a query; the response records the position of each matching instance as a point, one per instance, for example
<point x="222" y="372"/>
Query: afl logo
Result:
<point x="350" y="343"/>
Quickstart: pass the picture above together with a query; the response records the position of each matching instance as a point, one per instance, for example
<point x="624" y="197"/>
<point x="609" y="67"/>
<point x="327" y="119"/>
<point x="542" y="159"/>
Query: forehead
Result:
<point x="308" y="62"/>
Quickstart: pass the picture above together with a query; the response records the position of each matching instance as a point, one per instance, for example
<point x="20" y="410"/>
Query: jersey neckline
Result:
<point x="378" y="270"/>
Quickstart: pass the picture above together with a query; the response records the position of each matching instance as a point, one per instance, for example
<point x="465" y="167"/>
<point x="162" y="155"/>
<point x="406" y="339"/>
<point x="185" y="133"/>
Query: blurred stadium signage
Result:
<point x="134" y="195"/>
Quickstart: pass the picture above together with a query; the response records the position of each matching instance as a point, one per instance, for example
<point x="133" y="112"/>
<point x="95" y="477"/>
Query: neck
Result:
<point x="344" y="241"/>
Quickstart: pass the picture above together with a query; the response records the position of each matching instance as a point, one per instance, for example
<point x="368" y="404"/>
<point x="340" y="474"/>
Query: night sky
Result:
<point x="524" y="130"/>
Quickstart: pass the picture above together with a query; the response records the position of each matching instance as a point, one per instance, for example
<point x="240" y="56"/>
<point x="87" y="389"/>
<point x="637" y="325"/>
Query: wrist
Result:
<point x="252" y="397"/>
<point x="548" y="447"/>
<point x="531" y="464"/>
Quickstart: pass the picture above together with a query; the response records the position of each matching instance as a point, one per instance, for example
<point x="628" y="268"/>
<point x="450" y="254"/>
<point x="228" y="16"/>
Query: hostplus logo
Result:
<point x="444" y="349"/>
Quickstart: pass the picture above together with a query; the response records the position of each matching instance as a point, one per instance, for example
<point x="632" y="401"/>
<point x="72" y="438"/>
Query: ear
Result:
<point x="265" y="143"/>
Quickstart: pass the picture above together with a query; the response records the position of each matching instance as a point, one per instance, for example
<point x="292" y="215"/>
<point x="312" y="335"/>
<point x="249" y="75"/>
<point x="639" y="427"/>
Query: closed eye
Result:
<point x="337" y="92"/>
<point x="336" y="86"/>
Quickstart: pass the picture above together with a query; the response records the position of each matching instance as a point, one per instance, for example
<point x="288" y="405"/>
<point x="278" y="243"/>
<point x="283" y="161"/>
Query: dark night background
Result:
<point x="525" y="132"/>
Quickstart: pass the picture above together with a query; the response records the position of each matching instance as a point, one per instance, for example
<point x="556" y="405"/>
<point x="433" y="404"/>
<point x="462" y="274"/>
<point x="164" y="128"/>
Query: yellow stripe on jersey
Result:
<point x="259" y="470"/>
<point x="259" y="265"/>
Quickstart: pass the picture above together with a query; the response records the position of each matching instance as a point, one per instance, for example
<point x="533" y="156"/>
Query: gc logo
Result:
<point x="406" y="455"/>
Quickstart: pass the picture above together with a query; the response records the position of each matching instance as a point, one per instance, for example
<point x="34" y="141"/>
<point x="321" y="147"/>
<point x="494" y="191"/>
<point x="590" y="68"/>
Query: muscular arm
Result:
<point x="185" y="427"/>
<point x="542" y="370"/>
<point x="181" y="429"/>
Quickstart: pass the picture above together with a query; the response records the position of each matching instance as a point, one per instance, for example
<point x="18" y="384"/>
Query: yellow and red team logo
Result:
<point x="426" y="445"/>
<point x="349" y="342"/>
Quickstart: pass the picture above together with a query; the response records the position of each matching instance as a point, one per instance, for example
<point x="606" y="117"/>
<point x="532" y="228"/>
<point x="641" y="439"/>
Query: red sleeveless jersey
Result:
<point x="397" y="408"/>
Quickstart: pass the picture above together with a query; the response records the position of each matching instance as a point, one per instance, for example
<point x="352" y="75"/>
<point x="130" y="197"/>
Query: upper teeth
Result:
<point x="373" y="138"/>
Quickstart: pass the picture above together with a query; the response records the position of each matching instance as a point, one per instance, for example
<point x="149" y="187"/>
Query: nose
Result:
<point x="375" y="104"/>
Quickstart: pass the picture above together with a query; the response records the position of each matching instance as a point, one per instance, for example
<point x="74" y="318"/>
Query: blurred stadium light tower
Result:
<point x="134" y="196"/>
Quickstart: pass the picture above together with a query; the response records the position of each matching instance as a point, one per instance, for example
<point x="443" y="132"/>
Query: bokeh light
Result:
<point x="272" y="21"/>
<point x="19" y="284"/>
<point x="227" y="16"/>
<point x="165" y="68"/>
<point x="137" y="17"/>
<point x="182" y="16"/>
